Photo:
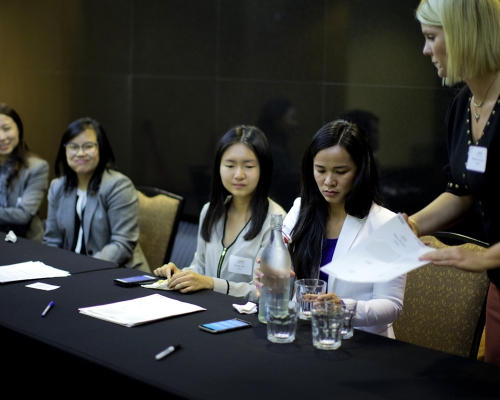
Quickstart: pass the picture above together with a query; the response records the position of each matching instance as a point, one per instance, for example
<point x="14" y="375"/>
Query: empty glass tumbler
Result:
<point x="350" y="311"/>
<point x="281" y="318"/>
<point x="306" y="291"/>
<point x="327" y="319"/>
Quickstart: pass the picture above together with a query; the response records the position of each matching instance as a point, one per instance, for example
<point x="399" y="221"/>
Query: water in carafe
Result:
<point x="275" y="265"/>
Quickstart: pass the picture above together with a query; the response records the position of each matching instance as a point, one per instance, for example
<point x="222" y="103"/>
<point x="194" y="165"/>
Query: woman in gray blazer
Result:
<point x="93" y="209"/>
<point x="24" y="179"/>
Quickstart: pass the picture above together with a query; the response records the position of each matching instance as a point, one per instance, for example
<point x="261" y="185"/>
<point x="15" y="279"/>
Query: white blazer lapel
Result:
<point x="350" y="230"/>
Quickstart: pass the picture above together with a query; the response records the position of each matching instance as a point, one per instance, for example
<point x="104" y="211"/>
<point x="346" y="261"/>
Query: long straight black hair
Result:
<point x="20" y="153"/>
<point x="255" y="140"/>
<point x="106" y="156"/>
<point x="309" y="232"/>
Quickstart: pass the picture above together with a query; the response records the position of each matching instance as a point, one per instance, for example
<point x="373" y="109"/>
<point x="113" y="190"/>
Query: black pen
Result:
<point x="47" y="309"/>
<point x="167" y="351"/>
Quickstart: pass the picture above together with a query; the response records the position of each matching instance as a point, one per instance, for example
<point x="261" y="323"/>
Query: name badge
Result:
<point x="240" y="265"/>
<point x="476" y="160"/>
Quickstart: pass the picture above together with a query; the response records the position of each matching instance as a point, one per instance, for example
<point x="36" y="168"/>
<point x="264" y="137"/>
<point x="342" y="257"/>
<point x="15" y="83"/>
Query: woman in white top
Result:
<point x="340" y="204"/>
<point x="235" y="225"/>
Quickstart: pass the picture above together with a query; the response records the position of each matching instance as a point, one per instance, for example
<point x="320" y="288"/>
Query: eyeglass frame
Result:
<point x="95" y="146"/>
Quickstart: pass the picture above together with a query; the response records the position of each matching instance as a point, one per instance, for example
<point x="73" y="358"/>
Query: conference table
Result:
<point x="69" y="353"/>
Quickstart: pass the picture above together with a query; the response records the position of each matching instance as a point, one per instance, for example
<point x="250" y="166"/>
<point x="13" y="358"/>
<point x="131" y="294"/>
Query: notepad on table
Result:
<point x="141" y="310"/>
<point x="29" y="270"/>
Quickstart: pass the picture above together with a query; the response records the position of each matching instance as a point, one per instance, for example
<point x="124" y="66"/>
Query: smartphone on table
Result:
<point x="225" y="325"/>
<point x="136" y="280"/>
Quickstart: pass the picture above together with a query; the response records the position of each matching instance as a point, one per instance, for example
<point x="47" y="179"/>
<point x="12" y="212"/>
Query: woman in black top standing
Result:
<point x="462" y="37"/>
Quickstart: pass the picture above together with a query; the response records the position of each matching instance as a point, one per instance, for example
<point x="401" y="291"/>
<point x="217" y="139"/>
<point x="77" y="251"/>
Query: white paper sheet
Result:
<point x="388" y="252"/>
<point x="42" y="286"/>
<point x="141" y="310"/>
<point x="29" y="270"/>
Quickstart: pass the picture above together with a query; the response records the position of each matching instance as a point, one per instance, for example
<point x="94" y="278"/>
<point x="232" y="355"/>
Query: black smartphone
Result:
<point x="225" y="326"/>
<point x="136" y="280"/>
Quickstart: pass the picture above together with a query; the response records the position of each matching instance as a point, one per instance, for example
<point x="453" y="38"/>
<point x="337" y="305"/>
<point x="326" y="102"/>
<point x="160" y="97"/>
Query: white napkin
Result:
<point x="249" y="308"/>
<point x="160" y="285"/>
<point x="11" y="237"/>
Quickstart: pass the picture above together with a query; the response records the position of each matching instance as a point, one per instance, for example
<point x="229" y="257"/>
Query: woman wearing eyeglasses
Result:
<point x="93" y="209"/>
<point x="24" y="179"/>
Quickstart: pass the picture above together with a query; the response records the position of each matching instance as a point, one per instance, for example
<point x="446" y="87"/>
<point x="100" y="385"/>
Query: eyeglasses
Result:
<point x="88" y="148"/>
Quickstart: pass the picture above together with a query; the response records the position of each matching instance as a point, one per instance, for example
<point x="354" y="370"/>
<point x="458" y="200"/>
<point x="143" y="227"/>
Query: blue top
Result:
<point x="326" y="256"/>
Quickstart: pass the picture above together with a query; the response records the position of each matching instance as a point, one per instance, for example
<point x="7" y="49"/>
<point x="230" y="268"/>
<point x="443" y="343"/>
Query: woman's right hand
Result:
<point x="328" y="297"/>
<point x="257" y="281"/>
<point x="258" y="276"/>
<point x="167" y="270"/>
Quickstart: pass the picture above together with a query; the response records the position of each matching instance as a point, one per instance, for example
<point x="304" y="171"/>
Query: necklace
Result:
<point x="476" y="106"/>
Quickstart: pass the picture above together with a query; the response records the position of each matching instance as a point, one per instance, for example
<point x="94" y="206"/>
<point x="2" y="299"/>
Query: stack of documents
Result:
<point x="141" y="310"/>
<point x="29" y="270"/>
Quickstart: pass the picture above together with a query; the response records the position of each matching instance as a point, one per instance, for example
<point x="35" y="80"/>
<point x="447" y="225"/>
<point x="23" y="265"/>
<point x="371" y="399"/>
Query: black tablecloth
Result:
<point x="71" y="353"/>
<point x="30" y="250"/>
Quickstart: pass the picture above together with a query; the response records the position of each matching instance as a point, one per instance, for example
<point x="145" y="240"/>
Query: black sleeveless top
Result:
<point x="464" y="182"/>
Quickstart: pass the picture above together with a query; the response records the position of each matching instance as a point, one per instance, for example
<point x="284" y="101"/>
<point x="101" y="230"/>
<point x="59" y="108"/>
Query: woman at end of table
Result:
<point x="24" y="178"/>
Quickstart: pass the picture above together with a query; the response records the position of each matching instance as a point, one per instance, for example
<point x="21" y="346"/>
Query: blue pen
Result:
<point x="47" y="309"/>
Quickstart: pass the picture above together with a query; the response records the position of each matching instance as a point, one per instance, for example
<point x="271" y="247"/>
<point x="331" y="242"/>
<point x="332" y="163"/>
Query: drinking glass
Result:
<point x="306" y="291"/>
<point x="350" y="312"/>
<point x="281" y="317"/>
<point x="327" y="319"/>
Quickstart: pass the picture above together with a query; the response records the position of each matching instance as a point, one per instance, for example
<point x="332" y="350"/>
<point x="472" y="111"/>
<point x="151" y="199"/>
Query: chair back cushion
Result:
<point x="442" y="305"/>
<point x="156" y="221"/>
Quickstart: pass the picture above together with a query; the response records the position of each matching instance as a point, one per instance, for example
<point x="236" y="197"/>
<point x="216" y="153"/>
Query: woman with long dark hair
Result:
<point x="24" y="178"/>
<point x="235" y="224"/>
<point x="340" y="204"/>
<point x="93" y="208"/>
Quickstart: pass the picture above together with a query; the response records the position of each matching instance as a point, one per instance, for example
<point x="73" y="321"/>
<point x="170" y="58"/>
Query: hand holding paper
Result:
<point x="390" y="251"/>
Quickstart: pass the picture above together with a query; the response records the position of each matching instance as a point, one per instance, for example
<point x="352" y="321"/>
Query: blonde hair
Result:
<point x="472" y="34"/>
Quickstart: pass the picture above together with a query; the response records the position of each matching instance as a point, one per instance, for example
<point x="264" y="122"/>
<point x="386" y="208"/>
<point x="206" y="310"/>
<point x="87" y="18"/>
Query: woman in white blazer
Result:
<point x="340" y="204"/>
<point x="93" y="209"/>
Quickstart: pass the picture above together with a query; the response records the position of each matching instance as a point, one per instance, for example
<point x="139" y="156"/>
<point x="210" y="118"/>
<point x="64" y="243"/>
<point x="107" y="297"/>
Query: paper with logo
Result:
<point x="389" y="251"/>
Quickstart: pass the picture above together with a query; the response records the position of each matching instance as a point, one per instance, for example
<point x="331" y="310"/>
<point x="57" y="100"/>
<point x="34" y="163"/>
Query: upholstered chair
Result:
<point x="444" y="307"/>
<point x="159" y="215"/>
